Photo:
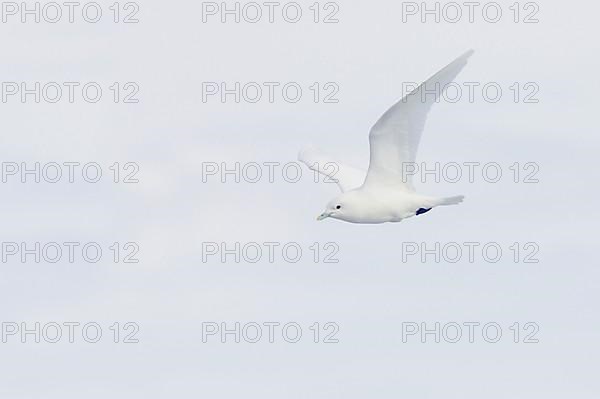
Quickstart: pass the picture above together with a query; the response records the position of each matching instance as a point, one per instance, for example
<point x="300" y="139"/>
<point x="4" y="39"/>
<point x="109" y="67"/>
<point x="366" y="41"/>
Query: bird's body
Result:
<point x="367" y="206"/>
<point x="387" y="205"/>
<point x="385" y="192"/>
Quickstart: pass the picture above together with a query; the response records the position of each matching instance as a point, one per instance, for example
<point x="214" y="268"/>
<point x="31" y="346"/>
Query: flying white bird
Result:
<point x="385" y="193"/>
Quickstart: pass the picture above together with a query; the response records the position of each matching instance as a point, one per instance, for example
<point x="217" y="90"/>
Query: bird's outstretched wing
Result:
<point x="394" y="139"/>
<point x="347" y="177"/>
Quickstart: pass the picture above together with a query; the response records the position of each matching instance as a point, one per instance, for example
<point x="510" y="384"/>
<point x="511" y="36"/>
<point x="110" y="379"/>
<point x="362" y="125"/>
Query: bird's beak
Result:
<point x="324" y="215"/>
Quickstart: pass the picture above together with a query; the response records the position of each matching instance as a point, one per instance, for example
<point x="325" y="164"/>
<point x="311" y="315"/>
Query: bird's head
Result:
<point x="341" y="207"/>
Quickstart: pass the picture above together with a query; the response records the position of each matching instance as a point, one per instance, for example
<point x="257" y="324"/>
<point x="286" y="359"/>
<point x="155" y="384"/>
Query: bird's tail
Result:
<point x="451" y="200"/>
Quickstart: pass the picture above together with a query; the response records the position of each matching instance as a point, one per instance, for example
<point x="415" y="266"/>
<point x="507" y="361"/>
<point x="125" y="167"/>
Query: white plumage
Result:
<point x="384" y="193"/>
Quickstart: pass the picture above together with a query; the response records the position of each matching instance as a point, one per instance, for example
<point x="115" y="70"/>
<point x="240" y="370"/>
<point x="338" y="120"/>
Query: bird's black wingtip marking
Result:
<point x="421" y="211"/>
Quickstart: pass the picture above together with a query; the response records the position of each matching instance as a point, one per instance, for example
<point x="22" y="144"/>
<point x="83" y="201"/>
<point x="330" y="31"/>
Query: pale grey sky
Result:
<point x="370" y="293"/>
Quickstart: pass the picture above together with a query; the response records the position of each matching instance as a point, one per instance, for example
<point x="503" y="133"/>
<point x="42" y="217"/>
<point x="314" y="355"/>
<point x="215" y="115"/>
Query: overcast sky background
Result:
<point x="370" y="292"/>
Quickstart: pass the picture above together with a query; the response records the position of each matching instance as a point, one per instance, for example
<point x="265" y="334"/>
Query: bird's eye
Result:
<point x="338" y="207"/>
